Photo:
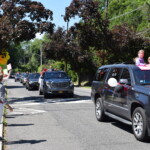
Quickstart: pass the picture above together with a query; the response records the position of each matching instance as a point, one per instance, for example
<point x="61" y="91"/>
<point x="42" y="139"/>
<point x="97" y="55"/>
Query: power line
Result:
<point x="142" y="32"/>
<point x="127" y="13"/>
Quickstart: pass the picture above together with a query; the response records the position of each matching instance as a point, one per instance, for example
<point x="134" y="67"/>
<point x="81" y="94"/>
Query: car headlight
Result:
<point x="71" y="83"/>
<point x="48" y="84"/>
<point x="30" y="82"/>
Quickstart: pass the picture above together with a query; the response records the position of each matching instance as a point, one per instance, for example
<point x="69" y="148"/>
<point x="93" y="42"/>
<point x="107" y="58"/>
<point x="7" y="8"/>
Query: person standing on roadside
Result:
<point x="3" y="99"/>
<point x="139" y="61"/>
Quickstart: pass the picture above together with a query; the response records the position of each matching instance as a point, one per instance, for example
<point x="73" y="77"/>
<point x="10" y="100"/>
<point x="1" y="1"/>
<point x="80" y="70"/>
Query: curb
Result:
<point x="1" y="133"/>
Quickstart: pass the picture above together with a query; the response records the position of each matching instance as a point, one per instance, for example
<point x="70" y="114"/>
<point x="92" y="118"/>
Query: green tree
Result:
<point x="135" y="13"/>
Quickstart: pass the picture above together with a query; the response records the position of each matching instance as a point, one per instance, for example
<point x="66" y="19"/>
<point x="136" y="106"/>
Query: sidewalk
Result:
<point x="1" y="133"/>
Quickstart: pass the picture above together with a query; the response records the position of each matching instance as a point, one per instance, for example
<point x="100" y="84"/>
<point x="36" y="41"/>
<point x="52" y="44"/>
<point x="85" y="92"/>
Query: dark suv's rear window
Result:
<point x="115" y="73"/>
<point x="142" y="76"/>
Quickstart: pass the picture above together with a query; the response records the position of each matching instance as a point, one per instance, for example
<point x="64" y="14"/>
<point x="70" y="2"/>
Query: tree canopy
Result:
<point x="135" y="13"/>
<point x="20" y="20"/>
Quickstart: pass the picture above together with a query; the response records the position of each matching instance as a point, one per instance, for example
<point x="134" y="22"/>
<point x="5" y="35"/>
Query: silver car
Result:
<point x="56" y="83"/>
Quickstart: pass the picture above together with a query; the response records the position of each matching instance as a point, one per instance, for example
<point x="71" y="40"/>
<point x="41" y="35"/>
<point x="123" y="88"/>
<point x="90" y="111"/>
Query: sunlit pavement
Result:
<point x="60" y="123"/>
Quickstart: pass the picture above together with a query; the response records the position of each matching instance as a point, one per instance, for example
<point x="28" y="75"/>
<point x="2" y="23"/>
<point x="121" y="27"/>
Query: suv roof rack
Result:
<point x="126" y="62"/>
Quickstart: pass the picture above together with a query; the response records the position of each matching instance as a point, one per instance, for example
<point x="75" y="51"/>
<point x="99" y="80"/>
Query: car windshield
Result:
<point x="56" y="75"/>
<point x="142" y="76"/>
<point x="25" y="75"/>
<point x="34" y="76"/>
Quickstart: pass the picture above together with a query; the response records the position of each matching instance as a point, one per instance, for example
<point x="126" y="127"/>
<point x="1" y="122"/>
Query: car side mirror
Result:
<point x="112" y="82"/>
<point x="123" y="81"/>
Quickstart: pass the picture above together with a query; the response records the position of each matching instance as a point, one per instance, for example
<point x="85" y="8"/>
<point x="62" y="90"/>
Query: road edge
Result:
<point x="1" y="133"/>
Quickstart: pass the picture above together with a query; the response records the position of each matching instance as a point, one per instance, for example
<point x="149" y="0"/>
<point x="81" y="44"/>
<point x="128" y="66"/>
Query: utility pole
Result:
<point x="66" y="68"/>
<point x="41" y="54"/>
<point x="106" y="6"/>
<point x="65" y="61"/>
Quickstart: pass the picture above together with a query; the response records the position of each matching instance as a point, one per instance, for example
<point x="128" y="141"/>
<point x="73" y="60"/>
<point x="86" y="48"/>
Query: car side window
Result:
<point x="125" y="77"/>
<point x="115" y="73"/>
<point x="101" y="74"/>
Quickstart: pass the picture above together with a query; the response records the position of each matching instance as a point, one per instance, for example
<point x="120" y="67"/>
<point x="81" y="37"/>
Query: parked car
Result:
<point x="122" y="91"/>
<point x="55" y="82"/>
<point x="17" y="77"/>
<point x="33" y="81"/>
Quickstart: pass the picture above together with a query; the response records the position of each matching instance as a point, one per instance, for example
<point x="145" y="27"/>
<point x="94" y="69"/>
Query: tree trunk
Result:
<point x="79" y="78"/>
<point x="65" y="63"/>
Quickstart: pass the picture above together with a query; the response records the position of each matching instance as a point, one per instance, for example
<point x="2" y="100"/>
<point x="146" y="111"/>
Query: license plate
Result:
<point x="60" y="92"/>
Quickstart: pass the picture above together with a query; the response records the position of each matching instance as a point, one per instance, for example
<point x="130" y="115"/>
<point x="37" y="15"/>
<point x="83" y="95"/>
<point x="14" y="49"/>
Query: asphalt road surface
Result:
<point x="60" y="123"/>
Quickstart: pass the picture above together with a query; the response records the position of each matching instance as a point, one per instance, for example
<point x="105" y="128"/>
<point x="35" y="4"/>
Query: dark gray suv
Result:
<point x="122" y="92"/>
<point x="55" y="82"/>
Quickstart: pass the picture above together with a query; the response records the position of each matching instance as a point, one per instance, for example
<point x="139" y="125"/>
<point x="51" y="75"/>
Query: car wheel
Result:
<point x="40" y="92"/>
<point x="139" y="124"/>
<point x="71" y="95"/>
<point x="46" y="95"/>
<point x="29" y="88"/>
<point x="99" y="110"/>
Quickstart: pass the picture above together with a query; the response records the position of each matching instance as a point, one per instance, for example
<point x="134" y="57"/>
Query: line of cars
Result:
<point x="48" y="83"/>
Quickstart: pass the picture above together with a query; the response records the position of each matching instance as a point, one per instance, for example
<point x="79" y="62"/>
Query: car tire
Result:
<point x="46" y="95"/>
<point x="71" y="95"/>
<point x="29" y="88"/>
<point x="99" y="110"/>
<point x="139" y="124"/>
<point x="40" y="92"/>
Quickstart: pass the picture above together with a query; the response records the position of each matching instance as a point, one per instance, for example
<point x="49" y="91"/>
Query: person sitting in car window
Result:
<point x="139" y="61"/>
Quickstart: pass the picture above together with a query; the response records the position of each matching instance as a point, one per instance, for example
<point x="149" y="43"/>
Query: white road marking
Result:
<point x="24" y="111"/>
<point x="26" y="104"/>
<point x="68" y="101"/>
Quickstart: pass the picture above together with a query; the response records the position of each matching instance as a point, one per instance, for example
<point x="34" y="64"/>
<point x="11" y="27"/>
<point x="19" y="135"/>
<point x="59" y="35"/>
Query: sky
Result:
<point x="58" y="8"/>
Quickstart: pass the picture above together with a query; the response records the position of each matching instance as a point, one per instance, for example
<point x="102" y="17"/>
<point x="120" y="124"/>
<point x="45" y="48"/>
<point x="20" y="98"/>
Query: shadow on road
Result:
<point x="25" y="142"/>
<point x="123" y="126"/>
<point x="17" y="125"/>
<point x="13" y="87"/>
<point x="9" y="117"/>
<point x="51" y="99"/>
<point x="24" y="99"/>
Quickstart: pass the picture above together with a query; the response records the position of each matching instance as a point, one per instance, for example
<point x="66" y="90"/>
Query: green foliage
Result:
<point x="133" y="12"/>
<point x="15" y="52"/>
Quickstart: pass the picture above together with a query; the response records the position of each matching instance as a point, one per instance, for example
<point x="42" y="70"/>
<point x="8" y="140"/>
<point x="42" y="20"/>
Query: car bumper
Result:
<point x="68" y="90"/>
<point x="34" y="85"/>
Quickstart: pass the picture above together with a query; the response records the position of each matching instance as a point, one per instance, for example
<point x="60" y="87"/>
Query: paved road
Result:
<point x="62" y="124"/>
